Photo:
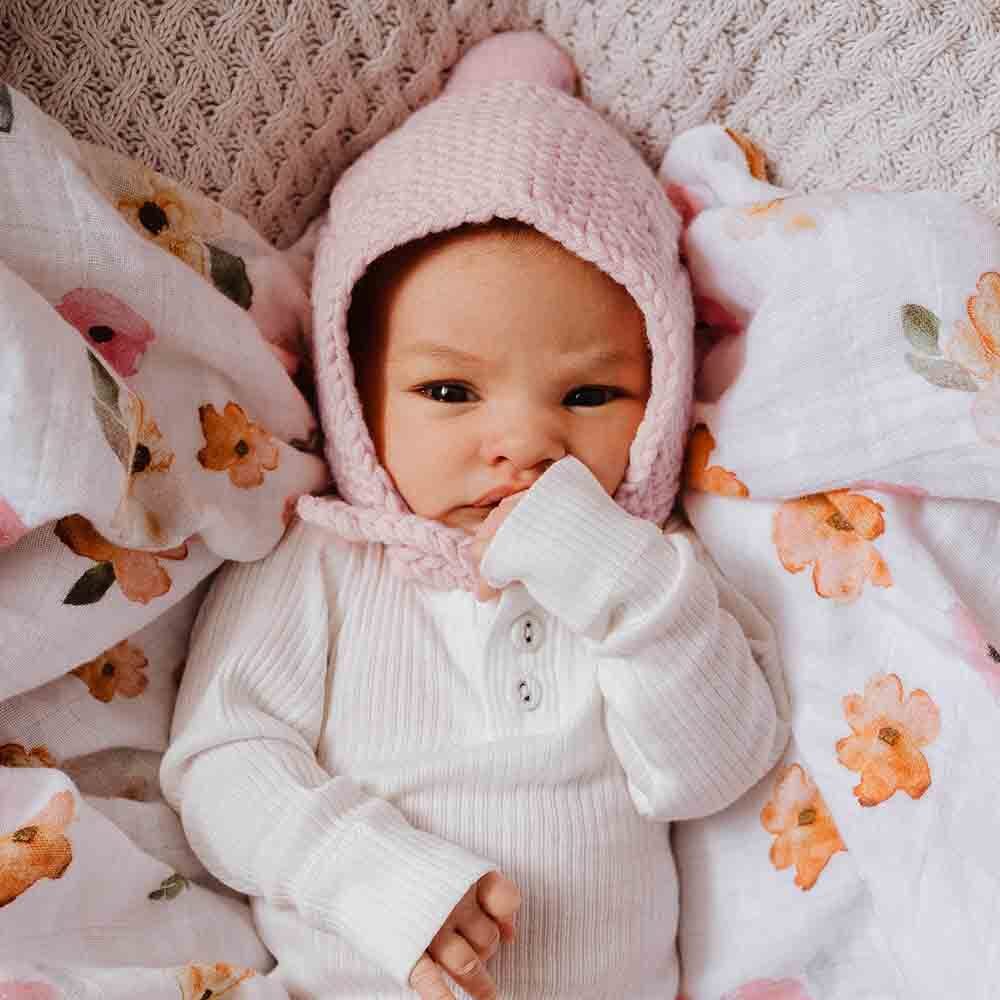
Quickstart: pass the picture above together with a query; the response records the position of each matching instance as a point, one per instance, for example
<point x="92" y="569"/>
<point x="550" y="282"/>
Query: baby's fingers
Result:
<point x="428" y="980"/>
<point x="458" y="958"/>
<point x="500" y="898"/>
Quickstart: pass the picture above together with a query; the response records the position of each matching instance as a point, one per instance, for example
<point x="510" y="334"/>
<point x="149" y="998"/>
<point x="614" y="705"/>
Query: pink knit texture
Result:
<point x="518" y="150"/>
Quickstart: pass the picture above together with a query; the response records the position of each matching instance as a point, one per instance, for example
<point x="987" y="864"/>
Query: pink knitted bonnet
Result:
<point x="507" y="139"/>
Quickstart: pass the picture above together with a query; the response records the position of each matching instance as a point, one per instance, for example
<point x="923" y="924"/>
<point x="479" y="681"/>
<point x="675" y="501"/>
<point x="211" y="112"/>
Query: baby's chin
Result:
<point x="464" y="518"/>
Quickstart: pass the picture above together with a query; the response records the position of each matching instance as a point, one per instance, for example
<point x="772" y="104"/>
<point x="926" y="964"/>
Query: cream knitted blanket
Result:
<point x="261" y="103"/>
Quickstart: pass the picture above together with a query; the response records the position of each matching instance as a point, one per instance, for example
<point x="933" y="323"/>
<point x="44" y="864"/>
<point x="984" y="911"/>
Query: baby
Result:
<point x="446" y="723"/>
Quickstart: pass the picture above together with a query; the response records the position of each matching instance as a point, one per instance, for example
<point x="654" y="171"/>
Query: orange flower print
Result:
<point x="975" y="344"/>
<point x="236" y="445"/>
<point x="139" y="574"/>
<point x="15" y="755"/>
<point x="156" y="210"/>
<point x="118" y="670"/>
<point x="834" y="532"/>
<point x="709" y="479"/>
<point x="805" y="834"/>
<point x="197" y="982"/>
<point x="968" y="360"/>
<point x="37" y="850"/>
<point x="886" y="736"/>
<point x="747" y="222"/>
<point x="756" y="161"/>
<point x="149" y="454"/>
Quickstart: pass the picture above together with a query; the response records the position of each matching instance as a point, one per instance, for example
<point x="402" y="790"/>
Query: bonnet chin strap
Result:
<point x="417" y="549"/>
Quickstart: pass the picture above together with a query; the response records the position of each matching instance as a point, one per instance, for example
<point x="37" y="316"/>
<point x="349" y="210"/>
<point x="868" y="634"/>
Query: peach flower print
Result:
<point x="156" y="210"/>
<point x="138" y="573"/>
<point x="886" y="738"/>
<point x="15" y="755"/>
<point x="197" y="982"/>
<point x="709" y="479"/>
<point x="805" y="834"/>
<point x="113" y="329"/>
<point x="118" y="670"/>
<point x="236" y="445"/>
<point x="834" y="532"/>
<point x="769" y="989"/>
<point x="979" y="652"/>
<point x="969" y="359"/>
<point x="975" y="343"/>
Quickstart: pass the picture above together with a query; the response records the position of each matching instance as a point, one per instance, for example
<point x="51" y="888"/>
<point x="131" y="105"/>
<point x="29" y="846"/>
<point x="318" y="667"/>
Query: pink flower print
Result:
<point x="769" y="989"/>
<point x="979" y="653"/>
<point x="116" y="331"/>
<point x="11" y="526"/>
<point x="26" y="989"/>
<point x="686" y="203"/>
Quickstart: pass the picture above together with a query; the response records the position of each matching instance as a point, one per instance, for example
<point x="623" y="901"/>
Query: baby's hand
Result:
<point x="483" y="917"/>
<point x="484" y="535"/>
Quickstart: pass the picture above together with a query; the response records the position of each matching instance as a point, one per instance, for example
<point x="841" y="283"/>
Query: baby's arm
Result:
<point x="689" y="712"/>
<point x="259" y="810"/>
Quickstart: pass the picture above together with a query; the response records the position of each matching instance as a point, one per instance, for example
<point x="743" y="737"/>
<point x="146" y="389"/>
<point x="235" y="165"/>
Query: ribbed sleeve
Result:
<point x="259" y="810"/>
<point x="688" y="710"/>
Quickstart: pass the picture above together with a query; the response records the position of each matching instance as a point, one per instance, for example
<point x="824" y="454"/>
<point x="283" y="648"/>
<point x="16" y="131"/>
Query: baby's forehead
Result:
<point x="490" y="280"/>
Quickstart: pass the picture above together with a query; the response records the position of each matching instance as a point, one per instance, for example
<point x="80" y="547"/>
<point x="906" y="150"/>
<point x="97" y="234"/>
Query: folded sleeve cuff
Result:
<point x="401" y="887"/>
<point x="571" y="545"/>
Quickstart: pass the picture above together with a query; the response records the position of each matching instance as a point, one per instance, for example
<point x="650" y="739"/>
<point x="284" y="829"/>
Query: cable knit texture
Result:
<point x="262" y="103"/>
<point x="512" y="148"/>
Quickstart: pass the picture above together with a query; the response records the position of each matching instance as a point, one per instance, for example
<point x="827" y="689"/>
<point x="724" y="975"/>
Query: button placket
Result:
<point x="527" y="633"/>
<point x="528" y="693"/>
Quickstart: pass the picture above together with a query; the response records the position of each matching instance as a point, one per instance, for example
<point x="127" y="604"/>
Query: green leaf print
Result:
<point x="170" y="887"/>
<point x="107" y="410"/>
<point x="92" y="586"/>
<point x="944" y="374"/>
<point x="922" y="328"/>
<point x="229" y="275"/>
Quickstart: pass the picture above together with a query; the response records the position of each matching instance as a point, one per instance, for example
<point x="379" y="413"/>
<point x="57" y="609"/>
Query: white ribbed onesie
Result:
<point x="355" y="749"/>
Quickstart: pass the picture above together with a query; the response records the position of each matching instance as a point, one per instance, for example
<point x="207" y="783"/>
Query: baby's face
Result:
<point x="490" y="360"/>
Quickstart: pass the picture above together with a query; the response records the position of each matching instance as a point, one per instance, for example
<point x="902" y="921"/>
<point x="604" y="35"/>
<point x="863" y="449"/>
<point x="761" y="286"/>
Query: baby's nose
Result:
<point x="526" y="439"/>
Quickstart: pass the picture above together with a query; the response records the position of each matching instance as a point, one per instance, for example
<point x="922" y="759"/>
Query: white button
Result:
<point x="528" y="693"/>
<point x="527" y="633"/>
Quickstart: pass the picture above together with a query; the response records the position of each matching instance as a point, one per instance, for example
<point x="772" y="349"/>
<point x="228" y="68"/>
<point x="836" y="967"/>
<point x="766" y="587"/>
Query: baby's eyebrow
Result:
<point x="439" y="352"/>
<point x="601" y="356"/>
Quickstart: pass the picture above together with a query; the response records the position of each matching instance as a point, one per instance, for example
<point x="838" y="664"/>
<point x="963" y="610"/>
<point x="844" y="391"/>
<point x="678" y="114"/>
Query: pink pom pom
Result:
<point x="513" y="55"/>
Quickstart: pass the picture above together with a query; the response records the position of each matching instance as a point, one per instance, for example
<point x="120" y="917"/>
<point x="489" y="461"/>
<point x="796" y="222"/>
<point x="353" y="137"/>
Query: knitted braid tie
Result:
<point x="439" y="557"/>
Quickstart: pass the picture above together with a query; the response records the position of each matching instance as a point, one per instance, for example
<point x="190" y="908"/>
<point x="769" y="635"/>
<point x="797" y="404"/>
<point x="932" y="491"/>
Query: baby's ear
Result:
<point x="708" y="166"/>
<point x="513" y="55"/>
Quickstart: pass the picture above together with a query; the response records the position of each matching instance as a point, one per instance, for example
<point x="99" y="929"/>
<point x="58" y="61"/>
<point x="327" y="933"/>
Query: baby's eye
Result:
<point x="446" y="392"/>
<point x="591" y="395"/>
